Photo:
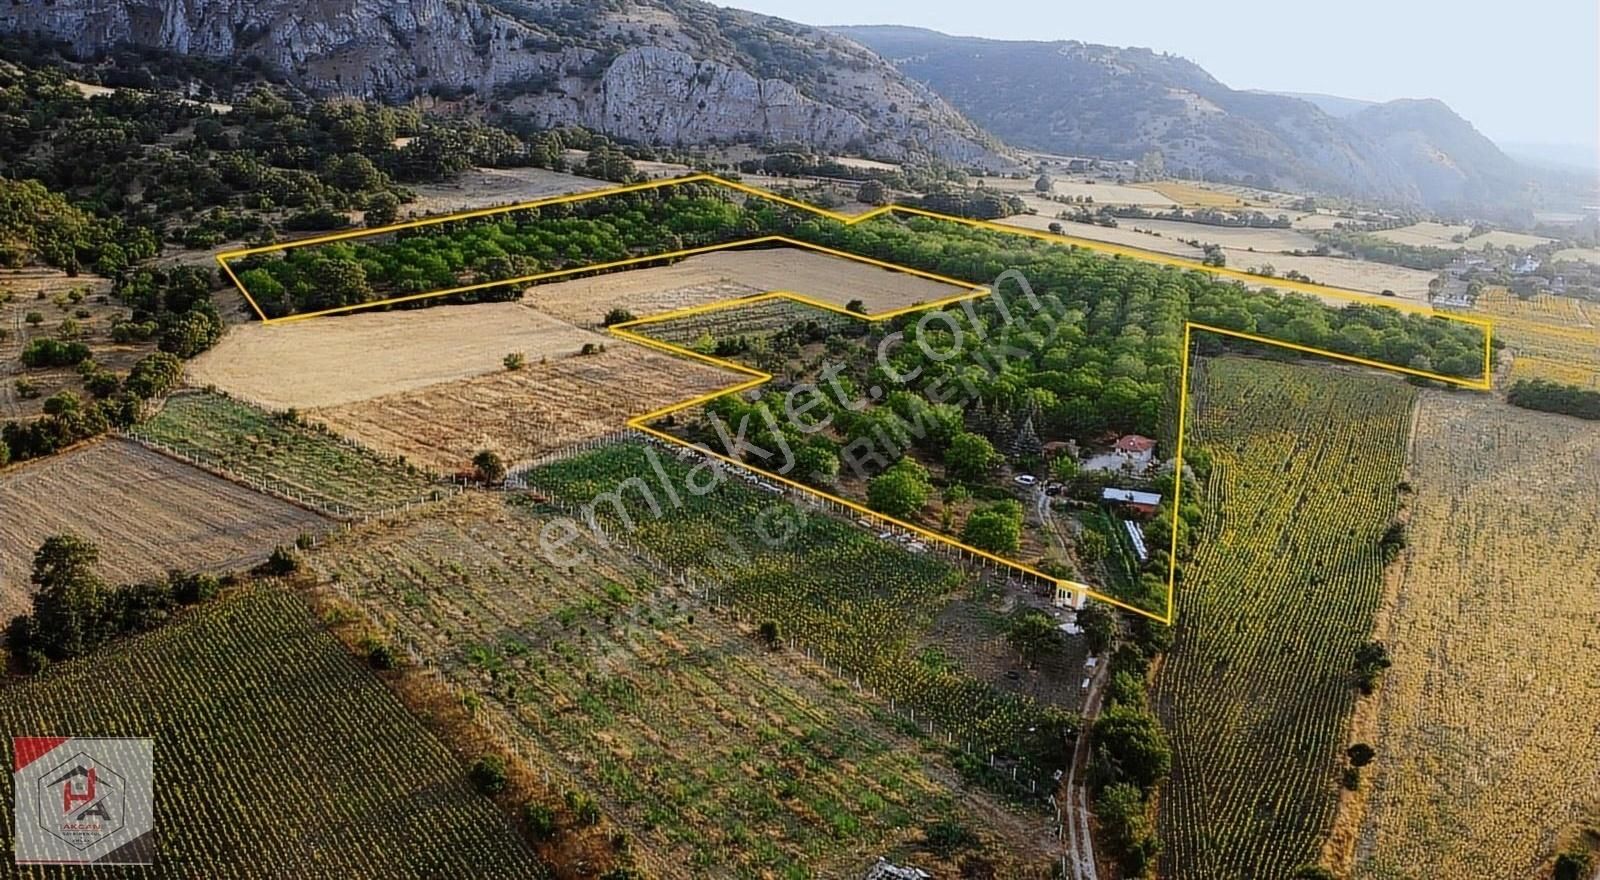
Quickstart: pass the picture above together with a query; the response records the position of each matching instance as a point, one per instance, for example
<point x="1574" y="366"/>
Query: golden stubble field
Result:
<point x="329" y="361"/>
<point x="146" y="512"/>
<point x="524" y="413"/>
<point x="719" y="275"/>
<point x="1486" y="727"/>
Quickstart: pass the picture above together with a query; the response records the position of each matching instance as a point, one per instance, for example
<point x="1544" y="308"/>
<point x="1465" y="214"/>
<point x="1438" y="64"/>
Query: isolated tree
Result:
<point x="1099" y="626"/>
<point x="1371" y="659"/>
<point x="996" y="528"/>
<point x="69" y="599"/>
<point x="1044" y="183"/>
<point x="490" y="470"/>
<point x="1033" y="635"/>
<point x="383" y="208"/>
<point x="617" y="315"/>
<point x="488" y="774"/>
<point x="1130" y="741"/>
<point x="900" y="491"/>
<point x="1361" y="754"/>
<point x="1056" y="227"/>
<point x="970" y="457"/>
<point x="770" y="634"/>
<point x="873" y="192"/>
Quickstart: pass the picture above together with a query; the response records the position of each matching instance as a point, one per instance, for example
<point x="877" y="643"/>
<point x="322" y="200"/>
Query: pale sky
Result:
<point x="1522" y="72"/>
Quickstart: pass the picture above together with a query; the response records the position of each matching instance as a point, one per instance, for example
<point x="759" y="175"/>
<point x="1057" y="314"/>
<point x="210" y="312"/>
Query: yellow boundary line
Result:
<point x="756" y="378"/>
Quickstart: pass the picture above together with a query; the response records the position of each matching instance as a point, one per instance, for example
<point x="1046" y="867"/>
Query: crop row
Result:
<point x="1256" y="692"/>
<point x="276" y="754"/>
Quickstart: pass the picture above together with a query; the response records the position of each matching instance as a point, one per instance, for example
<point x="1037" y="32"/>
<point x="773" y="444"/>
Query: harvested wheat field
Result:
<point x="334" y="360"/>
<point x="524" y="413"/>
<point x="146" y="512"/>
<point x="1440" y="235"/>
<point x="721" y="274"/>
<point x="1234" y="237"/>
<point x="1359" y="275"/>
<point x="1485" y="726"/>
<point x="1088" y="234"/>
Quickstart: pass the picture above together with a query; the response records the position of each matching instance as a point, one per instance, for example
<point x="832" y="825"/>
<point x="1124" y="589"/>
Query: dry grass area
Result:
<point x="333" y="360"/>
<point x="1122" y="235"/>
<point x="1359" y="275"/>
<point x="1485" y="725"/>
<point x="146" y="512"/>
<point x="1189" y="194"/>
<point x="1439" y="235"/>
<point x="524" y="413"/>
<point x="1586" y="255"/>
<point x="644" y="292"/>
<point x="78" y="308"/>
<point x="721" y="274"/>
<point x="488" y="187"/>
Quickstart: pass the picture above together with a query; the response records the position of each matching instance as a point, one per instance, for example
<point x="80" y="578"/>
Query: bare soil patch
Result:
<point x="821" y="276"/>
<point x="334" y="360"/>
<point x="146" y="512"/>
<point x="487" y="187"/>
<point x="524" y="413"/>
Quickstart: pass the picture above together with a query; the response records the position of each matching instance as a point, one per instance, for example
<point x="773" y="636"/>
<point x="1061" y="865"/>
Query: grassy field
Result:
<point x="287" y="457"/>
<point x="103" y="491"/>
<point x="721" y="757"/>
<point x="1485" y="726"/>
<point x="276" y="753"/>
<point x="1256" y="692"/>
<point x="521" y="414"/>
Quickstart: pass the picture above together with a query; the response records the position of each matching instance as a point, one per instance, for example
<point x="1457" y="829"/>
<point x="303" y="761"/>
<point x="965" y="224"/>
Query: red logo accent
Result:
<point x="69" y="796"/>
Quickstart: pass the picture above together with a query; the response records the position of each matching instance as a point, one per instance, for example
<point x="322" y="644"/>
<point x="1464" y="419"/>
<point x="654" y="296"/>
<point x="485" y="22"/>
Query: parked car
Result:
<point x="1025" y="479"/>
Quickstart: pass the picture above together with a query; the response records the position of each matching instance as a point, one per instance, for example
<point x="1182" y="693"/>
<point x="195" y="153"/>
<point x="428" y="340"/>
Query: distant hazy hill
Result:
<point x="1333" y="105"/>
<point x="1081" y="98"/>
<point x="662" y="71"/>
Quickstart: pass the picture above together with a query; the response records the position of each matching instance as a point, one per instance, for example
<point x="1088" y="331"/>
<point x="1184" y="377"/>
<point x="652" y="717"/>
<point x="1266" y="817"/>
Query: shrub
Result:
<point x="488" y="774"/>
<point x="281" y="562"/>
<point x="515" y="360"/>
<point x="540" y="819"/>
<point x="617" y="316"/>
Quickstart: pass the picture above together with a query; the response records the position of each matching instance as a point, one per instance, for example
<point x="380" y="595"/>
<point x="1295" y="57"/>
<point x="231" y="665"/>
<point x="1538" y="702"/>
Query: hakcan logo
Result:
<point x="84" y="801"/>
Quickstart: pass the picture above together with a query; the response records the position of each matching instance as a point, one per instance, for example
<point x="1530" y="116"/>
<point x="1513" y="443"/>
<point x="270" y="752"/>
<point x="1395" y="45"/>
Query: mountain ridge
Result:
<point x="1076" y="97"/>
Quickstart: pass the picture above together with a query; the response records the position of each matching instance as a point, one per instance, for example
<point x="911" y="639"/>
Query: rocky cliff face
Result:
<point x="653" y="71"/>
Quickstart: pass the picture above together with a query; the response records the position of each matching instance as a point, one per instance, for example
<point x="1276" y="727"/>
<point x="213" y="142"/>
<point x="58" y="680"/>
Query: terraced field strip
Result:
<point x="1285" y="579"/>
<point x="276" y="753"/>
